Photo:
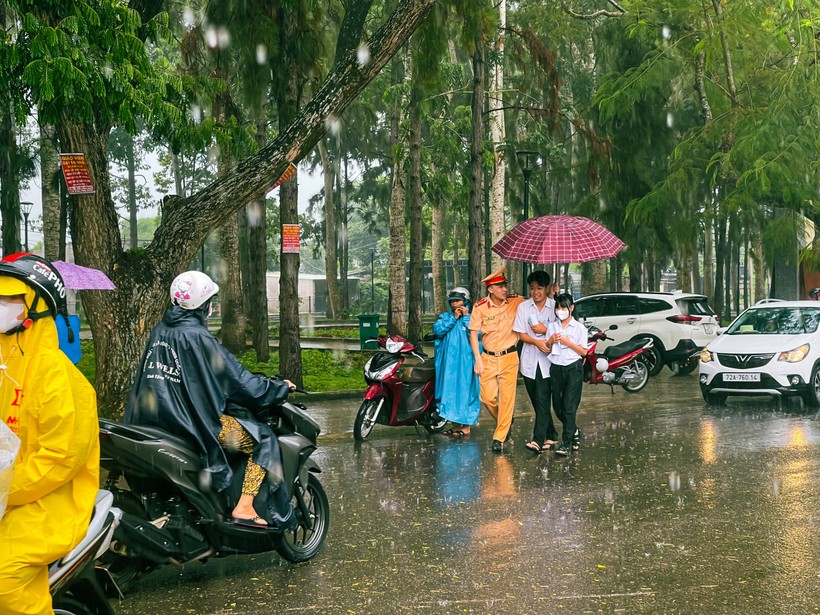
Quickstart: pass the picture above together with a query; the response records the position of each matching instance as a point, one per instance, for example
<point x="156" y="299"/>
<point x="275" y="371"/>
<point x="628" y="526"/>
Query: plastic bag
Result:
<point x="9" y="447"/>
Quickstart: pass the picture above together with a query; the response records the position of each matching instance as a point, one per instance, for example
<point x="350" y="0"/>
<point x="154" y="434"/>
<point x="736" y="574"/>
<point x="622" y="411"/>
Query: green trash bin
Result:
<point x="368" y="330"/>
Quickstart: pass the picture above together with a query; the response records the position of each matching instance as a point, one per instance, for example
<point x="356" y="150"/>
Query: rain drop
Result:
<point x="223" y="38"/>
<point x="261" y="54"/>
<point x="196" y="113"/>
<point x="363" y="55"/>
<point x="188" y="19"/>
<point x="666" y="32"/>
<point x="333" y="125"/>
<point x="670" y="120"/>
<point x="674" y="481"/>
<point x="254" y="211"/>
<point x="210" y="37"/>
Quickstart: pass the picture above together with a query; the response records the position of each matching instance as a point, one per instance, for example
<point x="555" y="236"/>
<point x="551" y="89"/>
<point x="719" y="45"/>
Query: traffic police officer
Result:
<point x="497" y="366"/>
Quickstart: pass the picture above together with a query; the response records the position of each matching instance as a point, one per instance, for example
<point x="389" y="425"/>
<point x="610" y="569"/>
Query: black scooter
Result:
<point x="78" y="586"/>
<point x="168" y="518"/>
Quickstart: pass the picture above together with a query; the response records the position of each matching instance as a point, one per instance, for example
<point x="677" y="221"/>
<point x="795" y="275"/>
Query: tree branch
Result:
<point x="599" y="13"/>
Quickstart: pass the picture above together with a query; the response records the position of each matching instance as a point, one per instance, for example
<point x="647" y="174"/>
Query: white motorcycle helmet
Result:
<point x="190" y="290"/>
<point x="459" y="292"/>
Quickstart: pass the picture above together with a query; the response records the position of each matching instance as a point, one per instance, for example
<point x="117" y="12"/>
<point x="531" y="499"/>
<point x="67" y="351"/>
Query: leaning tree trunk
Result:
<point x="121" y="320"/>
<point x="476" y="223"/>
<point x="414" y="331"/>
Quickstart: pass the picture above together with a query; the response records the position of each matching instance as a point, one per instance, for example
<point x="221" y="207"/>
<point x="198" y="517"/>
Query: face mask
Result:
<point x="10" y="315"/>
<point x="562" y="314"/>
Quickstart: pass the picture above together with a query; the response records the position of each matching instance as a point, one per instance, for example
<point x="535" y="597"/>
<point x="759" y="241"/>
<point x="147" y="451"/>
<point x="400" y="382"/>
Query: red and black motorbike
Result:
<point x="620" y="364"/>
<point x="401" y="383"/>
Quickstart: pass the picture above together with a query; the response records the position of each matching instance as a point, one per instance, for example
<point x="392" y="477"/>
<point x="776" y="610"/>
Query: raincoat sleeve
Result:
<point x="443" y="324"/>
<point x="66" y="439"/>
<point x="247" y="389"/>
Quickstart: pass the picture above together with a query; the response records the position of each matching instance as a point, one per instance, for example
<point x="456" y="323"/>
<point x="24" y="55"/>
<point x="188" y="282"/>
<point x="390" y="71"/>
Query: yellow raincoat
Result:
<point x="50" y="405"/>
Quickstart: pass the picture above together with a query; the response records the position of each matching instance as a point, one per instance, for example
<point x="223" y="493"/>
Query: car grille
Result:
<point x="744" y="361"/>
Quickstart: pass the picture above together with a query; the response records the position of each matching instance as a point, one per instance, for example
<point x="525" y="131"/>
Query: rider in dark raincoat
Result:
<point x="187" y="380"/>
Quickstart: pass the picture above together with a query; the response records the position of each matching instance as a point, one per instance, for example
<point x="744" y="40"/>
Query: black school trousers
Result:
<point x="567" y="381"/>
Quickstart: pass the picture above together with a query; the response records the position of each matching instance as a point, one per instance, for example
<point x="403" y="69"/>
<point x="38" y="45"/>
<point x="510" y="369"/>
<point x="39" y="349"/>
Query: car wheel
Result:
<point x="714" y="399"/>
<point x="683" y="368"/>
<point x="812" y="396"/>
<point x="653" y="358"/>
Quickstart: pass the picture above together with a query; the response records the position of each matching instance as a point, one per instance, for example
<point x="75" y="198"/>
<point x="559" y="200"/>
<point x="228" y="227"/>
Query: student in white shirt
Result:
<point x="567" y="340"/>
<point x="531" y="320"/>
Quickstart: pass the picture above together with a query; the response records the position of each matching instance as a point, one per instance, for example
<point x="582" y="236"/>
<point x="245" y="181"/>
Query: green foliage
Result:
<point x="324" y="370"/>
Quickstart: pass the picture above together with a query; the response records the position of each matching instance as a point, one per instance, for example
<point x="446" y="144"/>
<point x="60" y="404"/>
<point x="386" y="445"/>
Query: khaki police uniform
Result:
<point x="500" y="357"/>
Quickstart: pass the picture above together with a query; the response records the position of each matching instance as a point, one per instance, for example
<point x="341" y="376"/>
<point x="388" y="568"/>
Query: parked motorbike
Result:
<point x="400" y="389"/>
<point x="78" y="586"/>
<point x="169" y="518"/>
<point x="620" y="364"/>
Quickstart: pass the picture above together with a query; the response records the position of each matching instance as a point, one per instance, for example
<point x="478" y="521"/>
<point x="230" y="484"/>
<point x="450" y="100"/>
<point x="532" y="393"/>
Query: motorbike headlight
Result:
<point x="796" y="355"/>
<point x="705" y="356"/>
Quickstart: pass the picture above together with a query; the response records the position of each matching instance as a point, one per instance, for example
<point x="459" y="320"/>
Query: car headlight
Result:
<point x="705" y="356"/>
<point x="796" y="355"/>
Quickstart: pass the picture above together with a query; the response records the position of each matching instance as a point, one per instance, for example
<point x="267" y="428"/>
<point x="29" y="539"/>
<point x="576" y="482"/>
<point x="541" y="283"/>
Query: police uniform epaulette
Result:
<point x="481" y="301"/>
<point x="512" y="296"/>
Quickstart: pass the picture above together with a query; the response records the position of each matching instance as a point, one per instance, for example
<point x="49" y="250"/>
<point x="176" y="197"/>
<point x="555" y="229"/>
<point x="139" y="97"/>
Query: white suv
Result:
<point x="770" y="349"/>
<point x="679" y="323"/>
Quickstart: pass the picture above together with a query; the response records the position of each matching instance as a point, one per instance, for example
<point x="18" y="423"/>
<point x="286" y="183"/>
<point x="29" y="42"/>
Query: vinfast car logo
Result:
<point x="744" y="358"/>
<point x="172" y="456"/>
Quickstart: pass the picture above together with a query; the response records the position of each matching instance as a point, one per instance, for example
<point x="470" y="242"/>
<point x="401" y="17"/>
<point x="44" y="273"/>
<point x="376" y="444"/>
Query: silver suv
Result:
<point x="679" y="323"/>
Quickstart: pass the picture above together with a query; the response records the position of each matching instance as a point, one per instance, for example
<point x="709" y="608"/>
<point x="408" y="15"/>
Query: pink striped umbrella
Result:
<point x="558" y="239"/>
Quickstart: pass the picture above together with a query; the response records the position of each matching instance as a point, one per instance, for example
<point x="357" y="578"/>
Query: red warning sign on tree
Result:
<point x="290" y="238"/>
<point x="75" y="171"/>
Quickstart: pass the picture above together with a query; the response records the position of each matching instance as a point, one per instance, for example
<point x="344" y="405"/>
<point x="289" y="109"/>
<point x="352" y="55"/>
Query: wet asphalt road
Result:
<point x="670" y="507"/>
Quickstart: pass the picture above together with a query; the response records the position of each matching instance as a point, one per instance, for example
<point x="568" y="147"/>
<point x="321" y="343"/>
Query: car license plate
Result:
<point x="741" y="377"/>
<point x="709" y="329"/>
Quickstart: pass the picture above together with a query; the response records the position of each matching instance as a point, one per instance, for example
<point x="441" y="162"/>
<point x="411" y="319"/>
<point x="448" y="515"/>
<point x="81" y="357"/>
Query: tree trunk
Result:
<point x="759" y="265"/>
<point x="344" y="242"/>
<point x="255" y="278"/>
<point x="331" y="236"/>
<point x="720" y="257"/>
<point x="437" y="257"/>
<point x="9" y="182"/>
<point x="290" y="355"/>
<point x="131" y="164"/>
<point x="50" y="191"/>
<point x="414" y="331"/>
<point x="121" y="320"/>
<point x="234" y="323"/>
<point x="476" y="222"/>
<point x="397" y="315"/>
<point x="498" y="137"/>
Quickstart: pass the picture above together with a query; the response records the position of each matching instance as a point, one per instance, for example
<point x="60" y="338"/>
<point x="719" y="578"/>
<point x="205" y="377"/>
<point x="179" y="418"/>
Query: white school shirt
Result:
<point x="532" y="357"/>
<point x="576" y="332"/>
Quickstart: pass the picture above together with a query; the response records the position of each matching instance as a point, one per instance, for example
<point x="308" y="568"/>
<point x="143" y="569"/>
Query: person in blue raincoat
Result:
<point x="456" y="382"/>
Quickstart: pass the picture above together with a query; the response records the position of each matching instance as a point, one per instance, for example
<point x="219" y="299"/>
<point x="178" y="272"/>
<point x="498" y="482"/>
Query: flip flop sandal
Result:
<point x="533" y="446"/>
<point x="252" y="522"/>
<point x="547" y="446"/>
<point x="458" y="433"/>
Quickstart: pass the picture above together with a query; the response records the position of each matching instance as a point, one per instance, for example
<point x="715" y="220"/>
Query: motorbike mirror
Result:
<point x="430" y="337"/>
<point x="612" y="327"/>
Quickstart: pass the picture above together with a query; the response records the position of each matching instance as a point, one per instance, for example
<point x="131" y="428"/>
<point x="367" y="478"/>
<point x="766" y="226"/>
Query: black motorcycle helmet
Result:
<point x="48" y="285"/>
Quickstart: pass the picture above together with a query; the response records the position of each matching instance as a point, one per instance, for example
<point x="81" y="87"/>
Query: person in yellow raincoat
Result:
<point x="50" y="405"/>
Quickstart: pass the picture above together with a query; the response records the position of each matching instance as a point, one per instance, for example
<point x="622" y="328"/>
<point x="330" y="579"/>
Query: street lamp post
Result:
<point x="25" y="209"/>
<point x="527" y="160"/>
